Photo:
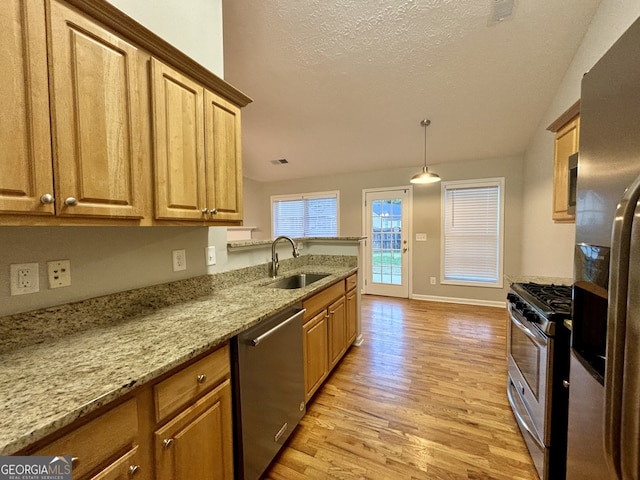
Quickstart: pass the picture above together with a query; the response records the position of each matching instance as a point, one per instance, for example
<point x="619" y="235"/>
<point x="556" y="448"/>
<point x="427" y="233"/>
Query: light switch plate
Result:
<point x="421" y="237"/>
<point x="210" y="253"/>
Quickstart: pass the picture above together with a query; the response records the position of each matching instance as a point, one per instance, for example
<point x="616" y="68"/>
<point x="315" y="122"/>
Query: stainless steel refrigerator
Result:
<point x="604" y="383"/>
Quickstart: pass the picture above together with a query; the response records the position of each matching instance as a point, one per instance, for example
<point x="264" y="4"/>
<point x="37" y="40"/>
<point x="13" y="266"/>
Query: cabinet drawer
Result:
<point x="189" y="383"/>
<point x="319" y="301"/>
<point x="351" y="282"/>
<point x="101" y="440"/>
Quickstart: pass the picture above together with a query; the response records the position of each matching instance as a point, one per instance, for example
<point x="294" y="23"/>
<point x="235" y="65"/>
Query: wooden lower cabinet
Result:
<point x="352" y="315"/>
<point x="316" y="363"/>
<point x="329" y="328"/>
<point x="198" y="442"/>
<point x="337" y="331"/>
<point x="178" y="428"/>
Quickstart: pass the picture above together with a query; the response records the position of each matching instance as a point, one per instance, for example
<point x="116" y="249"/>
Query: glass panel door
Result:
<point x="387" y="242"/>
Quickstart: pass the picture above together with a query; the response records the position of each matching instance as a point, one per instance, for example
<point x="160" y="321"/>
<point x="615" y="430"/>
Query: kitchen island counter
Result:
<point x="61" y="363"/>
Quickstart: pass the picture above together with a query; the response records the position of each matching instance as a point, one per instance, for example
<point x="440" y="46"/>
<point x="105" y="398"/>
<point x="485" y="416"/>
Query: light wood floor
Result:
<point x="423" y="398"/>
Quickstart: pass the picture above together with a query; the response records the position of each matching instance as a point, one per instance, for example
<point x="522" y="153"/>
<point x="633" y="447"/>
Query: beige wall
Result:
<point x="426" y="214"/>
<point x="194" y="27"/>
<point x="548" y="247"/>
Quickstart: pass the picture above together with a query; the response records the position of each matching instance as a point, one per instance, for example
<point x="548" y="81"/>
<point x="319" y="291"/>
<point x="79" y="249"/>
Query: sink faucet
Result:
<point x="275" y="264"/>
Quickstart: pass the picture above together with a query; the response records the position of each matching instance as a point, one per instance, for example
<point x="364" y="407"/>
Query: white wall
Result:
<point x="194" y="27"/>
<point x="548" y="247"/>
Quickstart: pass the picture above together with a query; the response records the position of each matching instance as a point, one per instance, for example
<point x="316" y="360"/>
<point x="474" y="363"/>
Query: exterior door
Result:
<point x="387" y="245"/>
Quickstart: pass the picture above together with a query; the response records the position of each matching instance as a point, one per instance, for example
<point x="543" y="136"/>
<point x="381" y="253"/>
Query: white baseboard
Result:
<point x="463" y="301"/>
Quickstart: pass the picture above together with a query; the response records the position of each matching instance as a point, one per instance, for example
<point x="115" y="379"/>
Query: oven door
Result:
<point x="528" y="351"/>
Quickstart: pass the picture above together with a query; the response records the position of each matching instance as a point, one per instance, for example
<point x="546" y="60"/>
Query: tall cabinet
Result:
<point x="26" y="171"/>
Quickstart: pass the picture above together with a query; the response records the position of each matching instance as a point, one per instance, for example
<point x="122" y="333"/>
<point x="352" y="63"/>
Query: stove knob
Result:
<point x="511" y="297"/>
<point x="520" y="305"/>
<point x="531" y="316"/>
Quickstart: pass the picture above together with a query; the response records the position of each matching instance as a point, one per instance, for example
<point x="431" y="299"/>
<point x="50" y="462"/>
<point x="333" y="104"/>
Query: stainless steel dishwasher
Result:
<point x="268" y="369"/>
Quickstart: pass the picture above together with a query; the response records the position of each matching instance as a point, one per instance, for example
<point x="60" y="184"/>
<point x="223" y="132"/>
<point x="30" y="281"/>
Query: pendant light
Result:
<point x="425" y="176"/>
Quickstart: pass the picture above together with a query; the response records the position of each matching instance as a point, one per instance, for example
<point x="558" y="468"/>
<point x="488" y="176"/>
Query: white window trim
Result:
<point x="484" y="182"/>
<point x="302" y="196"/>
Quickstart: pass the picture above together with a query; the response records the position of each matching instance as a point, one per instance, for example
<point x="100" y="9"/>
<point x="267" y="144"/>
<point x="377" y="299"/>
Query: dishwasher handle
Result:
<point x="256" y="341"/>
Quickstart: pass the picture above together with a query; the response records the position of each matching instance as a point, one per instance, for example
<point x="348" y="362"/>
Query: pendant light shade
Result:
<point x="425" y="176"/>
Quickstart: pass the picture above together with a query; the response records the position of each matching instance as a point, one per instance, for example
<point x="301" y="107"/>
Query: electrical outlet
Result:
<point x="432" y="280"/>
<point x="179" y="260"/>
<point x="59" y="273"/>
<point x="25" y="278"/>
<point x="210" y="255"/>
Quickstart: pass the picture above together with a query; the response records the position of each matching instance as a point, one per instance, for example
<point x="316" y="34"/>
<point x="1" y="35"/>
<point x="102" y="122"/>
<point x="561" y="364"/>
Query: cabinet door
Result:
<point x="352" y="315"/>
<point x="337" y="331"/>
<point x="198" y="443"/>
<point x="25" y="156"/>
<point x="96" y="118"/>
<point x="178" y="119"/>
<point x="316" y="365"/>
<point x="566" y="143"/>
<point x="223" y="158"/>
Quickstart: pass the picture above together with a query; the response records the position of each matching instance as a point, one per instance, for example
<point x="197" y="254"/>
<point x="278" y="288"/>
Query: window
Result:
<point x="472" y="232"/>
<point x="305" y="215"/>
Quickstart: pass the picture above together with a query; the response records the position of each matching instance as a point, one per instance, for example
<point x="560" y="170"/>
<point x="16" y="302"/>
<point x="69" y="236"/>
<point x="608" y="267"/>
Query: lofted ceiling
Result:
<point x="340" y="86"/>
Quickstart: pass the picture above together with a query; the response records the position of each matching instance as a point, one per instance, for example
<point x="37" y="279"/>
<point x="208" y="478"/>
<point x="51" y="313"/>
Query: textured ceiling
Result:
<point x="341" y="86"/>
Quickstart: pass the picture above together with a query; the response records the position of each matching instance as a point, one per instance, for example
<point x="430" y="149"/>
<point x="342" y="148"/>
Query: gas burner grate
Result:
<point x="556" y="297"/>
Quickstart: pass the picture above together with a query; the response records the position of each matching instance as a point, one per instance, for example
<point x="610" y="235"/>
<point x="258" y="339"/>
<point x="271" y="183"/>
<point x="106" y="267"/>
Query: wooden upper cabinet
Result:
<point x="178" y="125"/>
<point x="223" y="158"/>
<point x="96" y="118"/>
<point x="198" y="156"/>
<point x="566" y="143"/>
<point x="25" y="157"/>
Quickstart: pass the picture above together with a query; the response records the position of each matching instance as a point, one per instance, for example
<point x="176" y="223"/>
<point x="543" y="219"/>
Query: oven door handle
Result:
<point x="537" y="338"/>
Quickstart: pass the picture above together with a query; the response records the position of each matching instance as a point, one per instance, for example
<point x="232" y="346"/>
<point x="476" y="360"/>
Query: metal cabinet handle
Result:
<point x="213" y="211"/>
<point x="167" y="442"/>
<point x="204" y="211"/>
<point x="565" y="383"/>
<point x="46" y="199"/>
<point x="71" y="202"/>
<point x="201" y="378"/>
<point x="133" y="469"/>
<point x="75" y="461"/>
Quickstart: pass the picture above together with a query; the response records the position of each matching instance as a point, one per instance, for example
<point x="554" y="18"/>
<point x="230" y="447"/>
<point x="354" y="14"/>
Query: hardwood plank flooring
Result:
<point x="424" y="397"/>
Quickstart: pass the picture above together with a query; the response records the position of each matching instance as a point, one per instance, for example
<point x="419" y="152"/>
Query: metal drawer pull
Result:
<point x="213" y="211"/>
<point x="71" y="202"/>
<point x="133" y="469"/>
<point x="167" y="442"/>
<point x="75" y="461"/>
<point x="201" y="378"/>
<point x="47" y="198"/>
<point x="204" y="211"/>
<point x="565" y="383"/>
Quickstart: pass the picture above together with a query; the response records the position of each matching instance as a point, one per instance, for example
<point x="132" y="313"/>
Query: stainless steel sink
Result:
<point x="298" y="281"/>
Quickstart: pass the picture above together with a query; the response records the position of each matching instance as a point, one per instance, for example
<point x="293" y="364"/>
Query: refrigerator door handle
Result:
<point x="615" y="390"/>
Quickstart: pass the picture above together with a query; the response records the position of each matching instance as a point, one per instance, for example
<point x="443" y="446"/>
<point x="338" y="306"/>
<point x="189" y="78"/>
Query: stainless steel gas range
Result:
<point x="537" y="364"/>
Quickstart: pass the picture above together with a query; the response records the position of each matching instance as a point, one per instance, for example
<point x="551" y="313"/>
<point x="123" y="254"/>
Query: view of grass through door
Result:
<point x="386" y="244"/>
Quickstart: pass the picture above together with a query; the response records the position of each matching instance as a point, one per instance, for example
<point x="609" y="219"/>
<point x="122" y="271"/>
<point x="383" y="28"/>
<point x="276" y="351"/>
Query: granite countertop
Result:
<point x="61" y="363"/>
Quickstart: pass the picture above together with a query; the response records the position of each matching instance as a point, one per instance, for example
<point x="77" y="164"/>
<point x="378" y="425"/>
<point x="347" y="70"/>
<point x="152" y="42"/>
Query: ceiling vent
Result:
<point x="501" y="10"/>
<point x="281" y="161"/>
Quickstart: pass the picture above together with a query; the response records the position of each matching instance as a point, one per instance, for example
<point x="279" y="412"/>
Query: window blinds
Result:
<point x="472" y="232"/>
<point x="305" y="215"/>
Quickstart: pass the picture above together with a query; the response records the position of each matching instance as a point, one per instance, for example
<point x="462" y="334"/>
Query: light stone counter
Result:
<point x="60" y="363"/>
